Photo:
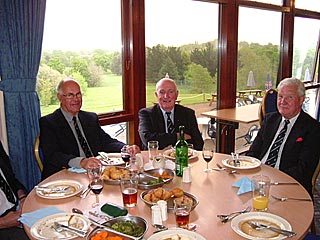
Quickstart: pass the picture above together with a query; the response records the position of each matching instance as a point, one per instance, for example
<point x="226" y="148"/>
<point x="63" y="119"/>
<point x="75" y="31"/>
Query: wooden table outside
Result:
<point x="256" y="92"/>
<point x="215" y="194"/>
<point x="212" y="99"/>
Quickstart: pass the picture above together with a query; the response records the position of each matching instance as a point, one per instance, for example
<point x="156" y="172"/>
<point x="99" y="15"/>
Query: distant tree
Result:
<point x="83" y="84"/>
<point x="56" y="64"/>
<point x="81" y="64"/>
<point x="169" y="67"/>
<point x="103" y="60"/>
<point x="96" y="74"/>
<point x="47" y="81"/>
<point x="198" y="79"/>
<point x="116" y="64"/>
<point x="156" y="56"/>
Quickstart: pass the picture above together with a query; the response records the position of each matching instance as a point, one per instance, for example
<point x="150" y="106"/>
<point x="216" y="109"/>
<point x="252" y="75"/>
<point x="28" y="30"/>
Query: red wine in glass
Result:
<point x="125" y="157"/>
<point x="96" y="187"/>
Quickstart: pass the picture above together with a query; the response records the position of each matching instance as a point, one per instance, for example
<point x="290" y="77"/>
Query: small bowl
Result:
<point x="135" y="219"/>
<point x="170" y="201"/>
<point x="146" y="176"/>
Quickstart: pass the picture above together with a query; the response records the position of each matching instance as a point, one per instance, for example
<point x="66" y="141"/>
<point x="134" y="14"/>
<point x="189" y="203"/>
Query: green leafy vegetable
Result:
<point x="152" y="182"/>
<point x="128" y="227"/>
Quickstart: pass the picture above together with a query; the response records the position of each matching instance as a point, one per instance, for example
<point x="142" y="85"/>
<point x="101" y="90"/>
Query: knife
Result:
<point x="284" y="183"/>
<point x="76" y="231"/>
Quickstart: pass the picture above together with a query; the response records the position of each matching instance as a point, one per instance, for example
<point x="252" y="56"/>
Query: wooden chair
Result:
<point x="38" y="153"/>
<point x="314" y="182"/>
<point x="268" y="104"/>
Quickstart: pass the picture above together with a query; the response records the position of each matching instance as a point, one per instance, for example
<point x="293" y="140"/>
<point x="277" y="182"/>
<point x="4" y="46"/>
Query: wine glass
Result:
<point x="96" y="187"/>
<point x="208" y="151"/>
<point x="125" y="155"/>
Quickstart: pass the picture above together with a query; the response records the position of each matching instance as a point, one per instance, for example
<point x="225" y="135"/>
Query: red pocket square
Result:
<point x="299" y="139"/>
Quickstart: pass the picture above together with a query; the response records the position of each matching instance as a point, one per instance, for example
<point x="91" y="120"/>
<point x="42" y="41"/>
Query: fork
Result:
<point x="260" y="226"/>
<point x="283" y="199"/>
<point x="225" y="169"/>
<point x="58" y="227"/>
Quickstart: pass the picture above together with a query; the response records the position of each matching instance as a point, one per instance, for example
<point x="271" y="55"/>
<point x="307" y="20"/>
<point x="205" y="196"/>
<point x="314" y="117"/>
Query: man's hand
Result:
<point x="133" y="150"/>
<point x="85" y="162"/>
<point x="11" y="219"/>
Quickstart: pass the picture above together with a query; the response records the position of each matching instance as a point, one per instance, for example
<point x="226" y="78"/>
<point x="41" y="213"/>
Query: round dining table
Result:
<point x="214" y="191"/>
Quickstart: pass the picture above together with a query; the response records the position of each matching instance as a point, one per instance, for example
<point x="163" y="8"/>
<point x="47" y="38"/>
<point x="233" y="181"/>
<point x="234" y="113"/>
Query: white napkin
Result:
<point x="31" y="218"/>
<point x="244" y="185"/>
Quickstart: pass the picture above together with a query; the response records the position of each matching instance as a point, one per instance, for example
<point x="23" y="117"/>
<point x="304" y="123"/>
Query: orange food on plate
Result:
<point x="164" y="175"/>
<point x="100" y="236"/>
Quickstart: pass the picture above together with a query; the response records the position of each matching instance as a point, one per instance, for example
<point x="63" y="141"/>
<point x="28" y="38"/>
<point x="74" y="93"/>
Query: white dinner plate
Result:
<point x="43" y="229"/>
<point x="169" y="164"/>
<point x="266" y="218"/>
<point x="246" y="162"/>
<point x="170" y="233"/>
<point x="74" y="187"/>
<point x="111" y="159"/>
<point x="170" y="154"/>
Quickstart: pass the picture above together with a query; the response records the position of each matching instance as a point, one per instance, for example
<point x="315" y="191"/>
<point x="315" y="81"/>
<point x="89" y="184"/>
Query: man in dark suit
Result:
<point x="59" y="136"/>
<point x="153" y="121"/>
<point x="298" y="153"/>
<point x="10" y="210"/>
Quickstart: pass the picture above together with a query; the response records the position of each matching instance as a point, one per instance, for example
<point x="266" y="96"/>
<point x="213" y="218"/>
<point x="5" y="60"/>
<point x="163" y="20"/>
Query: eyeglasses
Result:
<point x="71" y="95"/>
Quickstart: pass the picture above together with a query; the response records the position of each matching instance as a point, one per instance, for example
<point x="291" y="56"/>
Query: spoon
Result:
<point x="227" y="170"/>
<point x="77" y="210"/>
<point x="159" y="228"/>
<point x="226" y="217"/>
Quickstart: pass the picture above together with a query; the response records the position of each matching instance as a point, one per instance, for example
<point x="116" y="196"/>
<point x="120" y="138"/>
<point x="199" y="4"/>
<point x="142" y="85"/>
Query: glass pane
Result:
<point x="276" y="2"/>
<point x="82" y="40"/>
<point x="312" y="5"/>
<point x="258" y="49"/>
<point x="304" y="55"/>
<point x="183" y="43"/>
<point x="117" y="130"/>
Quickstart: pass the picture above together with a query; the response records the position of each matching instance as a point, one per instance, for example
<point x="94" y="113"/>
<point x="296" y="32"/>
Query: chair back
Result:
<point x="268" y="104"/>
<point x="38" y="153"/>
<point x="315" y="176"/>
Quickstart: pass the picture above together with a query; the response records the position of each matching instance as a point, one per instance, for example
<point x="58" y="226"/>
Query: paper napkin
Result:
<point x="77" y="170"/>
<point x="32" y="217"/>
<point x="244" y="185"/>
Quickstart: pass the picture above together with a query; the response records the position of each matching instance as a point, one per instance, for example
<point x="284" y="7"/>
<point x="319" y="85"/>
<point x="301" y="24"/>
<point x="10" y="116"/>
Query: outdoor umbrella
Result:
<point x="268" y="84"/>
<point x="251" y="82"/>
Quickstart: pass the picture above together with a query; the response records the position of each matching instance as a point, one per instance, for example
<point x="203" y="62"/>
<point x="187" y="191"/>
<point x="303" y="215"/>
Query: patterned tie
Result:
<point x="273" y="154"/>
<point x="170" y="126"/>
<point x="82" y="140"/>
<point x="7" y="190"/>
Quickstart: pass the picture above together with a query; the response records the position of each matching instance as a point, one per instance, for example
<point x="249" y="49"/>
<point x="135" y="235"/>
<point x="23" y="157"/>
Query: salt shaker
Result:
<point x="163" y="207"/>
<point x="186" y="176"/>
<point x="156" y="215"/>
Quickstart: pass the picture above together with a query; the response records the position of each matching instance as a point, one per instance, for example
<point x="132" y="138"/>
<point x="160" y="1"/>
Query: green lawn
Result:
<point x="108" y="97"/>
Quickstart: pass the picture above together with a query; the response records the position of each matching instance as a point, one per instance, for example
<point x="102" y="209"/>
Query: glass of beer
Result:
<point x="129" y="189"/>
<point x="182" y="209"/>
<point x="260" y="192"/>
<point x="153" y="147"/>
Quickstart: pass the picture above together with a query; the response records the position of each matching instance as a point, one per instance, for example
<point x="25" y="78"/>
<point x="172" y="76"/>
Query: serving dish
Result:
<point x="59" y="189"/>
<point x="134" y="219"/>
<point x="173" y="232"/>
<point x="170" y="154"/>
<point x="148" y="176"/>
<point x="246" y="162"/>
<point x="43" y="229"/>
<point x="111" y="159"/>
<point x="263" y="217"/>
<point x="170" y="205"/>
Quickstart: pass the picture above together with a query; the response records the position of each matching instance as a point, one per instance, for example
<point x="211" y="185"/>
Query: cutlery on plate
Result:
<point x="235" y="158"/>
<point x="52" y="190"/>
<point x="61" y="227"/>
<point x="85" y="192"/>
<point x="100" y="216"/>
<point x="283" y="199"/>
<point x="103" y="155"/>
<point x="284" y="183"/>
<point x="260" y="226"/>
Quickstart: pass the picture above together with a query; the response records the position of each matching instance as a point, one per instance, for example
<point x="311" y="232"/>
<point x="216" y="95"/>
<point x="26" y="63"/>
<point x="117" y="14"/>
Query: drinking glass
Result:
<point x="96" y="187"/>
<point x="94" y="171"/>
<point x="208" y="150"/>
<point x="125" y="155"/>
<point x="182" y="211"/>
<point x="129" y="189"/>
<point x="153" y="147"/>
<point x="260" y="192"/>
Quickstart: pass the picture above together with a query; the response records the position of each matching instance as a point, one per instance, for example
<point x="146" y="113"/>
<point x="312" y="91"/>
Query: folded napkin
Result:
<point x="31" y="218"/>
<point x="244" y="185"/>
<point x="77" y="170"/>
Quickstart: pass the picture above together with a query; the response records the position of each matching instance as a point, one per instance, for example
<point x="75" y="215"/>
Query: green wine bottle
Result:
<point x="182" y="160"/>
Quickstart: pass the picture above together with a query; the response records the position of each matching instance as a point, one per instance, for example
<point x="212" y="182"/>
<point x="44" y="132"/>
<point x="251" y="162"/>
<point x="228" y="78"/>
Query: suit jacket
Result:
<point x="152" y="126"/>
<point x="8" y="172"/>
<point x="59" y="144"/>
<point x="301" y="151"/>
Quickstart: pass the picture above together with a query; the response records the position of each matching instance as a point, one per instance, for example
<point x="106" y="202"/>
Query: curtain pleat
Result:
<point x="21" y="28"/>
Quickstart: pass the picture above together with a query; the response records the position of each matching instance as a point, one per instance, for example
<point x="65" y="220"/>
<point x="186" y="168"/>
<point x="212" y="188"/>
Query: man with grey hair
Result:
<point x="161" y="122"/>
<point x="288" y="139"/>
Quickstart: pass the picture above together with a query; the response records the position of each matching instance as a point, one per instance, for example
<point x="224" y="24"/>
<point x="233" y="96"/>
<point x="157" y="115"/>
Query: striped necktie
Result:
<point x="170" y="126"/>
<point x="273" y="154"/>
<point x="6" y="189"/>
<point x="82" y="140"/>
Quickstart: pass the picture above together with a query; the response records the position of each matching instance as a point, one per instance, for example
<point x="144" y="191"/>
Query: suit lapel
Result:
<point x="160" y="122"/>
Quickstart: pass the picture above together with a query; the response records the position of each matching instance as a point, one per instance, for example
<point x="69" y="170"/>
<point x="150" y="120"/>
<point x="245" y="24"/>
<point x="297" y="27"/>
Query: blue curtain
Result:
<point x="21" y="32"/>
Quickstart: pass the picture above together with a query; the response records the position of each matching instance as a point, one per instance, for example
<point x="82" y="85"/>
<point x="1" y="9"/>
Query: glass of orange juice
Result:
<point x="260" y="192"/>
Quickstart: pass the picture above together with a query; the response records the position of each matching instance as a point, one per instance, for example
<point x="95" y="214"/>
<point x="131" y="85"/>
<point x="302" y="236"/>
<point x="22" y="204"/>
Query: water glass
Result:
<point x="260" y="192"/>
<point x="94" y="171"/>
<point x="153" y="147"/>
<point x="129" y="189"/>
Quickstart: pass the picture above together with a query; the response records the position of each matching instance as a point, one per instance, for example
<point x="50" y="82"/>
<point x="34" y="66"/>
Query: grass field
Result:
<point x="108" y="97"/>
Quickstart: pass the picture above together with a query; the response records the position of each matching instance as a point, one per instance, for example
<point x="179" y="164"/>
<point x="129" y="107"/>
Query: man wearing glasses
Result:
<point x="70" y="137"/>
